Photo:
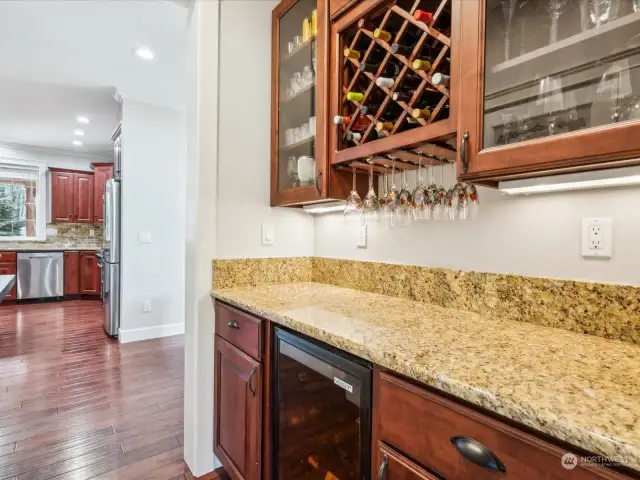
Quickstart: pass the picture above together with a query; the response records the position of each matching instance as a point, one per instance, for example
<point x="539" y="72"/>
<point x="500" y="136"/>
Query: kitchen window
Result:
<point x="20" y="202"/>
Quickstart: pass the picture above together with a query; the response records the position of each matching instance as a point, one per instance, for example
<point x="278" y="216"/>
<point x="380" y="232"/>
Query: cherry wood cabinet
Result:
<point x="62" y="197"/>
<point x="71" y="273"/>
<point x="8" y="266"/>
<point x="238" y="412"/>
<point x="300" y="166"/>
<point x="547" y="90"/>
<point x="101" y="173"/>
<point x="72" y="196"/>
<point x="90" y="274"/>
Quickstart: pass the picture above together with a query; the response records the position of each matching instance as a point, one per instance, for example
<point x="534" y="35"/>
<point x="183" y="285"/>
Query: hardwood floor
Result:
<point x="75" y="404"/>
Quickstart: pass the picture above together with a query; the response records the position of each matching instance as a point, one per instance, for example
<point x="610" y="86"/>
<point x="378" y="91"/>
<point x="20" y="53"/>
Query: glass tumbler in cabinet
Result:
<point x="552" y="86"/>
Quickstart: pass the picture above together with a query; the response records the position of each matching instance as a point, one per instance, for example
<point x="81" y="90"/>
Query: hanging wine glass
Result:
<point x="420" y="202"/>
<point x="432" y="190"/>
<point x="392" y="198"/>
<point x="402" y="213"/>
<point x="439" y="206"/>
<point x="556" y="9"/>
<point x="354" y="202"/>
<point x="472" y="201"/>
<point x="370" y="204"/>
<point x="382" y="197"/>
<point x="456" y="201"/>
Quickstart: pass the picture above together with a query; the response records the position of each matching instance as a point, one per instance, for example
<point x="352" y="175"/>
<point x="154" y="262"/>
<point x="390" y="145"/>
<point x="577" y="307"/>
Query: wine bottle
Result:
<point x="380" y="34"/>
<point x="371" y="108"/>
<point x="424" y="113"/>
<point x="443" y="22"/>
<point x="424" y="17"/>
<point x="440" y="79"/>
<point x="384" y="126"/>
<point x="385" y="82"/>
<point x="364" y="24"/>
<point x="411" y="80"/>
<point x="361" y="123"/>
<point x="353" y="137"/>
<point x="352" y="53"/>
<point x="390" y="69"/>
<point x="401" y="97"/>
<point x="355" y="96"/>
<point x="420" y="64"/>
<point x="405" y="50"/>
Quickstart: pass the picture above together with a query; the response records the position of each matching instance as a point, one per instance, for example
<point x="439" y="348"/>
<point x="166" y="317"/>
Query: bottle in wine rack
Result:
<point x="366" y="25"/>
<point x="401" y="97"/>
<point x="352" y="53"/>
<point x="423" y="113"/>
<point x="370" y="109"/>
<point x="361" y="123"/>
<point x="411" y="80"/>
<point x="384" y="126"/>
<point x="442" y="24"/>
<point x="385" y="82"/>
<point x="391" y="69"/>
<point x="405" y="50"/>
<point x="353" y="137"/>
<point x="422" y="64"/>
<point x="380" y="34"/>
<point x="326" y="474"/>
<point x="440" y="79"/>
<point x="355" y="96"/>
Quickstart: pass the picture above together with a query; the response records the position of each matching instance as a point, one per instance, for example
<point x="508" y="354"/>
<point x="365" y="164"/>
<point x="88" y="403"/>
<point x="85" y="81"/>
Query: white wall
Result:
<point x="244" y="155"/>
<point x="202" y="145"/>
<point x="535" y="235"/>
<point x="153" y="200"/>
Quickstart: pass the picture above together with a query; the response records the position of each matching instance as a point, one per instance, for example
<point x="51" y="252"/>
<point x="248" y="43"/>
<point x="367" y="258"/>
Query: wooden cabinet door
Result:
<point x="89" y="274"/>
<point x="237" y="411"/>
<point x="62" y="188"/>
<point x="83" y="197"/>
<point x="9" y="269"/>
<point x="543" y="99"/>
<point x="100" y="175"/>
<point x="71" y="273"/>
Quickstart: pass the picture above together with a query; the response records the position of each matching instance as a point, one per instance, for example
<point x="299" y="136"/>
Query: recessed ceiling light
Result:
<point x="78" y="132"/>
<point x="82" y="119"/>
<point x="77" y="143"/>
<point x="144" y="52"/>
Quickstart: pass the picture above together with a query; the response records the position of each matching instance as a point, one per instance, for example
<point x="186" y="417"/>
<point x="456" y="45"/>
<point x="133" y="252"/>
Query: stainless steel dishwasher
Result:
<point x="40" y="275"/>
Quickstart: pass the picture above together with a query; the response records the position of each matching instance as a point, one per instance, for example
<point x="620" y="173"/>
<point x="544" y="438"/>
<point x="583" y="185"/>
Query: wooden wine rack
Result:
<point x="433" y="137"/>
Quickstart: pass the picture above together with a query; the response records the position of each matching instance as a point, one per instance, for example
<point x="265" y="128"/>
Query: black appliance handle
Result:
<point x="382" y="472"/>
<point x="250" y="382"/>
<point x="477" y="453"/>
<point x="233" y="324"/>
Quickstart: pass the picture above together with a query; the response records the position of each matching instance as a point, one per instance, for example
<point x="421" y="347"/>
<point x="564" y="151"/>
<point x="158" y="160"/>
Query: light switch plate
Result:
<point x="268" y="234"/>
<point x="92" y="233"/>
<point x="146" y="306"/>
<point x="597" y="237"/>
<point x="362" y="236"/>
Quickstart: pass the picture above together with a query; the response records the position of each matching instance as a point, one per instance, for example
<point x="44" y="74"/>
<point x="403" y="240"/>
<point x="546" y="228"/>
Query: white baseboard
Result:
<point x="146" y="333"/>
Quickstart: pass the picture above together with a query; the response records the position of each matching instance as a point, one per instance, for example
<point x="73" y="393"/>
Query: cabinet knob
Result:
<point x="477" y="453"/>
<point x="233" y="324"/>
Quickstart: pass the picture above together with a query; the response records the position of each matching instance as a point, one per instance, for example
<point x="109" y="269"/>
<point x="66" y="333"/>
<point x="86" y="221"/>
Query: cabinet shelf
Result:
<point x="573" y="54"/>
<point x="300" y="48"/>
<point x="298" y="94"/>
<point x="297" y="145"/>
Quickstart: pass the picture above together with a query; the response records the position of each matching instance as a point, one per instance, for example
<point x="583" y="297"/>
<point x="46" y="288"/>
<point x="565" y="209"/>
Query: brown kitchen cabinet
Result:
<point x="90" y="274"/>
<point x="300" y="166"/>
<point x="418" y="434"/>
<point x="71" y="273"/>
<point x="544" y="96"/>
<point x="8" y="266"/>
<point x="101" y="173"/>
<point x="72" y="196"/>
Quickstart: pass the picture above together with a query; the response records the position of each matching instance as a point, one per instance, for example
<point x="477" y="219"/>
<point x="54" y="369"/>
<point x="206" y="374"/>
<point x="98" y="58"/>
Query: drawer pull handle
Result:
<point x="382" y="472"/>
<point x="250" y="382"/>
<point x="233" y="324"/>
<point x="463" y="151"/>
<point x="477" y="453"/>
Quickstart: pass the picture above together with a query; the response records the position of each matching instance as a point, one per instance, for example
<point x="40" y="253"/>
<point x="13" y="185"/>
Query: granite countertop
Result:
<point x="6" y="284"/>
<point x="582" y="389"/>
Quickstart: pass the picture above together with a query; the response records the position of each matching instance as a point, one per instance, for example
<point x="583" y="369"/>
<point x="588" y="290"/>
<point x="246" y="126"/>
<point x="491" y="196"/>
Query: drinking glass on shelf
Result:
<point x="296" y="82"/>
<point x="304" y="131"/>
<point x="312" y="126"/>
<point x="354" y="202"/>
<point x="636" y="6"/>
<point x="401" y="216"/>
<point x="556" y="9"/>
<point x="288" y="136"/>
<point x="601" y="11"/>
<point x="292" y="170"/>
<point x="371" y="204"/>
<point x="551" y="98"/>
<point x="420" y="204"/>
<point x="306" y="169"/>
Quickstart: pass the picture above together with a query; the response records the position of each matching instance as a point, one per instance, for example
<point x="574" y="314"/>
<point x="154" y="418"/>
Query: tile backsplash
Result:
<point x="72" y="235"/>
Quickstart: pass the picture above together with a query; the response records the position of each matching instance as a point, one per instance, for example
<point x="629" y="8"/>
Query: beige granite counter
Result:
<point x="578" y="388"/>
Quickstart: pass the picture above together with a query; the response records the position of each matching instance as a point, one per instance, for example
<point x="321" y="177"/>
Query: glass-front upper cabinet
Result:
<point x="549" y="84"/>
<point x="298" y="145"/>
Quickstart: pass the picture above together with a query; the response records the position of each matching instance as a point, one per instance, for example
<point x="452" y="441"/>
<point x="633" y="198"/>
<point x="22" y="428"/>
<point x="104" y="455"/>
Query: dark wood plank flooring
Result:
<point x="75" y="404"/>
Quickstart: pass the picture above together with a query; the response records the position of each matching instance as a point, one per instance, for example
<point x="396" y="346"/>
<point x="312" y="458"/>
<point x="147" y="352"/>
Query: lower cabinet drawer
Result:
<point x="240" y="329"/>
<point x="391" y="465"/>
<point x="459" y="443"/>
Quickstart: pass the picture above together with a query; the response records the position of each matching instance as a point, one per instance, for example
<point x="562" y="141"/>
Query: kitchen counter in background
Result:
<point x="578" y="388"/>
<point x="47" y="247"/>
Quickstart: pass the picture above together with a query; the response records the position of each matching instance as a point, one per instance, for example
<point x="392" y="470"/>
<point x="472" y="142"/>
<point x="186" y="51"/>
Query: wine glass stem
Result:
<point x="553" y="33"/>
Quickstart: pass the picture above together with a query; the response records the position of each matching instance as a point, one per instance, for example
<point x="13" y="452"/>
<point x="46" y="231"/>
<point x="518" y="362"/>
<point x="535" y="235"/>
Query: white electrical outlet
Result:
<point x="144" y="237"/>
<point x="597" y="237"/>
<point x="362" y="236"/>
<point x="146" y="306"/>
<point x="92" y="233"/>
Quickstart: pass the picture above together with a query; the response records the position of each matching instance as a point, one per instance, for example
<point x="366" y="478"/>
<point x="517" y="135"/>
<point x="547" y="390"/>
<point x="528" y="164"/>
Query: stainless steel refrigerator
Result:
<point x="111" y="257"/>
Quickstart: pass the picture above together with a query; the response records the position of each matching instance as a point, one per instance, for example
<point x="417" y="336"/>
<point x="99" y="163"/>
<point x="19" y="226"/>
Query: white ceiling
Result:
<point x="63" y="58"/>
